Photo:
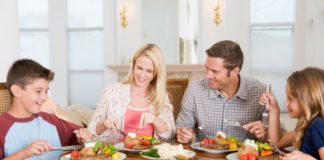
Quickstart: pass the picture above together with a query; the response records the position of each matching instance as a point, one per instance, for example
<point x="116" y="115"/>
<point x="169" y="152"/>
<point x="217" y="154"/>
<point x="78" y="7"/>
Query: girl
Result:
<point x="305" y="101"/>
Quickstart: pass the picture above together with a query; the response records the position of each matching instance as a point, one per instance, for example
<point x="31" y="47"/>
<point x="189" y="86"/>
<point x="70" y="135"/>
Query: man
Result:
<point x="223" y="98"/>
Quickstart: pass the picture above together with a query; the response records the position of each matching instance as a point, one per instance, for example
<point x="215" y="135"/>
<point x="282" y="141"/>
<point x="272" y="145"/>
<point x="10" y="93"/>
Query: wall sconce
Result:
<point x="217" y="16"/>
<point x="123" y="17"/>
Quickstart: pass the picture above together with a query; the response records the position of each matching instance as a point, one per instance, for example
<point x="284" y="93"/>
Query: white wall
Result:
<point x="234" y="26"/>
<point x="9" y="35"/>
<point x="309" y="34"/>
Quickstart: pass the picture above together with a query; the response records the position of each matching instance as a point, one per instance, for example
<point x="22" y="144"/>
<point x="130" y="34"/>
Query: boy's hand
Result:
<point x="83" y="135"/>
<point x="38" y="147"/>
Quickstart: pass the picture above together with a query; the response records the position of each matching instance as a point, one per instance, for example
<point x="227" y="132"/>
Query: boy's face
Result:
<point x="34" y="95"/>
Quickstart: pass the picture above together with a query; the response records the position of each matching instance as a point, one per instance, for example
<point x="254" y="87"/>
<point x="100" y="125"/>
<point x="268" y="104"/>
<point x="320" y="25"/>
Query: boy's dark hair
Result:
<point x="229" y="51"/>
<point x="25" y="71"/>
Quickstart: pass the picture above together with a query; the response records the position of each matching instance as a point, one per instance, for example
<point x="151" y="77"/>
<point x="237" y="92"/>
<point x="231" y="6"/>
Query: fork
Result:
<point x="276" y="148"/>
<point x="122" y="132"/>
<point x="199" y="128"/>
<point x="265" y="114"/>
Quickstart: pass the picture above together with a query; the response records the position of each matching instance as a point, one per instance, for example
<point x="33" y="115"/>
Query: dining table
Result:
<point x="200" y="155"/>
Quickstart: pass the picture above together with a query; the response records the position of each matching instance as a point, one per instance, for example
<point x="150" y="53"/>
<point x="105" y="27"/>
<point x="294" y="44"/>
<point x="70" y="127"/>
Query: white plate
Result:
<point x="232" y="156"/>
<point x="214" y="151"/>
<point x="68" y="156"/>
<point x="188" y="154"/>
<point x="121" y="147"/>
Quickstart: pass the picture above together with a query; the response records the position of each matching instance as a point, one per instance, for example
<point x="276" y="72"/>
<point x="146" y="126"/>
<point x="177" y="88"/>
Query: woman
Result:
<point x="305" y="101"/>
<point x="139" y="104"/>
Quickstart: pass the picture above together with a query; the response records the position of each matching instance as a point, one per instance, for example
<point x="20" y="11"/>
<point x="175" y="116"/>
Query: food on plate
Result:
<point x="255" y="150"/>
<point x="139" y="142"/>
<point x="98" y="151"/>
<point x="166" y="151"/>
<point x="220" y="142"/>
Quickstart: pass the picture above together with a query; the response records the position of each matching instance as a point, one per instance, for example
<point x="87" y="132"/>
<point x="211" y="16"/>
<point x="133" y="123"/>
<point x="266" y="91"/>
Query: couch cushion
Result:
<point x="80" y="115"/>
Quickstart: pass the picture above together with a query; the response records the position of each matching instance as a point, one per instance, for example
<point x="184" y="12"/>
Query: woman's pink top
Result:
<point x="132" y="119"/>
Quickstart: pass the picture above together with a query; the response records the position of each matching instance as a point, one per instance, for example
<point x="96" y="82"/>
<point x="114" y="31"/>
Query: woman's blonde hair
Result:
<point x="307" y="87"/>
<point x="157" y="87"/>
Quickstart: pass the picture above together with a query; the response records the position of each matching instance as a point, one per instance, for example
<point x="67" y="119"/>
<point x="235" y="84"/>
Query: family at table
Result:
<point x="140" y="104"/>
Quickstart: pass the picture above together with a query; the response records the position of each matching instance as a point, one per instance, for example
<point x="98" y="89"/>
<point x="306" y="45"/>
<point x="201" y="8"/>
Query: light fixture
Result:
<point x="123" y="17"/>
<point x="217" y="14"/>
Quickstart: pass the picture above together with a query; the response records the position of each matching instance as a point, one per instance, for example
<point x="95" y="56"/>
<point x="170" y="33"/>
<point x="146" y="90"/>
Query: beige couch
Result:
<point x="77" y="114"/>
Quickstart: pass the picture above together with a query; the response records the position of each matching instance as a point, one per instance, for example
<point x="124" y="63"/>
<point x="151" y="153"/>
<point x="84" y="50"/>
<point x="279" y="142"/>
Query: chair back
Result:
<point x="176" y="89"/>
<point x="5" y="98"/>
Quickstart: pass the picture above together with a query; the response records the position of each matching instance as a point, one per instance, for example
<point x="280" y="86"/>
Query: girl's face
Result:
<point x="143" y="71"/>
<point x="293" y="107"/>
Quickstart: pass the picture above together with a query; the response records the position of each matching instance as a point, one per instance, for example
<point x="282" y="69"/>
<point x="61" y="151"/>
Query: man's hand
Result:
<point x="38" y="147"/>
<point x="184" y="135"/>
<point x="111" y="123"/>
<point x="257" y="129"/>
<point x="146" y="118"/>
<point x="83" y="135"/>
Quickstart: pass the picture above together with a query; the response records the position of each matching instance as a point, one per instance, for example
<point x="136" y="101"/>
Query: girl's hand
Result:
<point x="269" y="98"/>
<point x="298" y="155"/>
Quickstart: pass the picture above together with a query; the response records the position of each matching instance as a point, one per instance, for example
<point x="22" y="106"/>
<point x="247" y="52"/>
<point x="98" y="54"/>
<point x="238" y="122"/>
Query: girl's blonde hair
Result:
<point x="157" y="87"/>
<point x="307" y="87"/>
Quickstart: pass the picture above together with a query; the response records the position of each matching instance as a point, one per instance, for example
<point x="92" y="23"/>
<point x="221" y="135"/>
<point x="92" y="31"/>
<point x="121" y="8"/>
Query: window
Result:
<point x="272" y="30"/>
<point x="33" y="26"/>
<point x="85" y="47"/>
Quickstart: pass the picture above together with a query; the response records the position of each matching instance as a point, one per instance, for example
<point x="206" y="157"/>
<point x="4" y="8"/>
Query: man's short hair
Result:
<point x="229" y="51"/>
<point x="25" y="71"/>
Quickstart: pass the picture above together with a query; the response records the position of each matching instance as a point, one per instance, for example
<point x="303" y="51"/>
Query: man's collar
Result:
<point x="241" y="92"/>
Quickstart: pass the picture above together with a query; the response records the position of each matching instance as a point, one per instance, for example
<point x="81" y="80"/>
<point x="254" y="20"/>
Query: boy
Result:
<point x="25" y="132"/>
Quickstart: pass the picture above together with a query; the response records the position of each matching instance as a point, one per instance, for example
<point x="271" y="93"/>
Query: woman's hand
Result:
<point x="146" y="118"/>
<point x="111" y="123"/>
<point x="298" y="155"/>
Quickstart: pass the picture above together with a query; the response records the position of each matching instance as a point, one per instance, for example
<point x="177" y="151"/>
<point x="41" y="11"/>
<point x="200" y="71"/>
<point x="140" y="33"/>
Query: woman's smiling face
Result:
<point x="143" y="71"/>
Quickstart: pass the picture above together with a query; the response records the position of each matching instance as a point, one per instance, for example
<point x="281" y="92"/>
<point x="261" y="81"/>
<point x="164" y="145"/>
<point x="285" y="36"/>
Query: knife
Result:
<point x="68" y="148"/>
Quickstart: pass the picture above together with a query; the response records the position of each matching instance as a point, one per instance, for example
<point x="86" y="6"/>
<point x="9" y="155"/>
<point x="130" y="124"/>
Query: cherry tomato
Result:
<point x="244" y="157"/>
<point x="145" y="142"/>
<point x="251" y="156"/>
<point x="75" y="154"/>
<point x="129" y="145"/>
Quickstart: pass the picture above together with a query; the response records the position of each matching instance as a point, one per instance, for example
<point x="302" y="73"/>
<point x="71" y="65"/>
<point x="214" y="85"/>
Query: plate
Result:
<point x="189" y="154"/>
<point x="232" y="156"/>
<point x="214" y="151"/>
<point x="121" y="147"/>
<point x="68" y="156"/>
